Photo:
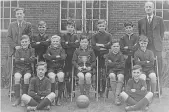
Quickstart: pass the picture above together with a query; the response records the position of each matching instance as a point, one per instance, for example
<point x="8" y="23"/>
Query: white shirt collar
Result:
<point x="19" y="23"/>
<point x="150" y="16"/>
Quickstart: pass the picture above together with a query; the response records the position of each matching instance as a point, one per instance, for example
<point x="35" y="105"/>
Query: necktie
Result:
<point x="19" y="27"/>
<point x="149" y="19"/>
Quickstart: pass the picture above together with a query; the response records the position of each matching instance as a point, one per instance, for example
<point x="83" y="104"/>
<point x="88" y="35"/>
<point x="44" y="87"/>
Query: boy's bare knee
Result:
<point x="112" y="76"/>
<point x="60" y="76"/>
<point x="120" y="77"/>
<point x="149" y="96"/>
<point x="153" y="77"/>
<point x="25" y="98"/>
<point x="51" y="96"/>
<point x="143" y="77"/>
<point x="124" y="95"/>
<point x="88" y="78"/>
<point x="52" y="76"/>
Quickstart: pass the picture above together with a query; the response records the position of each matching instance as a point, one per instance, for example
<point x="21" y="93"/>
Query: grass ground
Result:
<point x="100" y="106"/>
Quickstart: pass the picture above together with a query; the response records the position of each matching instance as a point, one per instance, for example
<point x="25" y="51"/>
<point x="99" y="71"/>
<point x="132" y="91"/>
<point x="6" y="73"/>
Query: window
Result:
<point x="162" y="9"/>
<point x="7" y="13"/>
<point x="84" y="13"/>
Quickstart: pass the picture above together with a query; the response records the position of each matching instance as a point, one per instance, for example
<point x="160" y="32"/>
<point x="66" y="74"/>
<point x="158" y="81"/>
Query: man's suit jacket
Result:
<point x="158" y="30"/>
<point x="13" y="36"/>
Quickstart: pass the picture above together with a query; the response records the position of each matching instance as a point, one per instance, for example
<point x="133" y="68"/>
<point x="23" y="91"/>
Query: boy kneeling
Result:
<point x="136" y="95"/>
<point x="39" y="93"/>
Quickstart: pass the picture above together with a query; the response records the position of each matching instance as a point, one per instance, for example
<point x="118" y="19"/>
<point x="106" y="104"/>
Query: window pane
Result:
<point x="95" y="25"/>
<point x="2" y="3"/>
<point x="166" y="23"/>
<point x="95" y="13"/>
<point x="78" y="13"/>
<point x="166" y="4"/>
<point x="166" y="14"/>
<point x="96" y="4"/>
<point x="103" y="4"/>
<point x="2" y="23"/>
<point x="71" y="4"/>
<point x="78" y="4"/>
<point x="88" y="4"/>
<point x="159" y="13"/>
<point x="6" y="12"/>
<point x="6" y="3"/>
<point x="12" y="20"/>
<point x="78" y="25"/>
<point x="63" y="24"/>
<point x="14" y="3"/>
<point x="72" y="13"/>
<point x="103" y="14"/>
<point x="12" y="13"/>
<point x="64" y="14"/>
<point x="88" y="13"/>
<point x="158" y="4"/>
<point x="6" y="23"/>
<point x="1" y="12"/>
<point x="64" y="4"/>
<point x="88" y="25"/>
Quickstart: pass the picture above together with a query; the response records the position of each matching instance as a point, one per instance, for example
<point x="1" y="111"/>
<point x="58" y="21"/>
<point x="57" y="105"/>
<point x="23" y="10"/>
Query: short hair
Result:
<point x="143" y="38"/>
<point x="19" y="8"/>
<point x="101" y="21"/>
<point x="135" y="67"/>
<point x="25" y="37"/>
<point x="115" y="41"/>
<point x="55" y="36"/>
<point x="128" y="23"/>
<point x="149" y="1"/>
<point x="70" y="22"/>
<point x="41" y="63"/>
<point x="82" y="37"/>
<point x="41" y="23"/>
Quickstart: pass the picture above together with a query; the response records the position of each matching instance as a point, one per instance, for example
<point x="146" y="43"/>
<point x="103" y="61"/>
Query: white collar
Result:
<point x="150" y="16"/>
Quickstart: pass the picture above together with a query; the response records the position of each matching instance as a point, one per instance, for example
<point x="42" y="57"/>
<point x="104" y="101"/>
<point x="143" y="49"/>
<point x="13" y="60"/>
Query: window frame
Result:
<point x="83" y="15"/>
<point x="10" y="17"/>
<point x="161" y="9"/>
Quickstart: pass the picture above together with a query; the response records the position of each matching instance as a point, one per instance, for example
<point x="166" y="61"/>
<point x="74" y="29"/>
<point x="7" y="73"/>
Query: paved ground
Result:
<point x="100" y="106"/>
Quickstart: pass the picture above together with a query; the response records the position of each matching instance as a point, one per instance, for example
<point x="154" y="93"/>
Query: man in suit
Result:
<point x="153" y="27"/>
<point x="17" y="29"/>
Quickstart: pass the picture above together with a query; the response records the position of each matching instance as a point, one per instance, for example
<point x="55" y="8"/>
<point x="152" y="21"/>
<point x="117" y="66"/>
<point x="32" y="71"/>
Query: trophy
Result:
<point x="84" y="59"/>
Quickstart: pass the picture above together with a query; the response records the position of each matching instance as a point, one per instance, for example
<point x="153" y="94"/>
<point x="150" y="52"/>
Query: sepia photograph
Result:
<point x="84" y="55"/>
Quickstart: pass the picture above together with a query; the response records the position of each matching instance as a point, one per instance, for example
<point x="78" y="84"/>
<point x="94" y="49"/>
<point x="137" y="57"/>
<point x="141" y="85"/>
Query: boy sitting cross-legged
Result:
<point x="39" y="95"/>
<point x="136" y="95"/>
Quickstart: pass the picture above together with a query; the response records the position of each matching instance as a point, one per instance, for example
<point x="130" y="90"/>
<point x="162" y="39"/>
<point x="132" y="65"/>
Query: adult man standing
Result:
<point x="17" y="29"/>
<point x="153" y="27"/>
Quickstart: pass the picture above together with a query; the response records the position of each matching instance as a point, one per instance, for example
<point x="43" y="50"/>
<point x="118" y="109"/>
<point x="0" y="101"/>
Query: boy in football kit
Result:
<point x="69" y="42"/>
<point x="55" y="57"/>
<point x="128" y="45"/>
<point x="23" y="59"/>
<point x="136" y="96"/>
<point x="39" y="94"/>
<point x="145" y="58"/>
<point x="101" y="42"/>
<point x="40" y="41"/>
<point x="115" y="64"/>
<point x="82" y="55"/>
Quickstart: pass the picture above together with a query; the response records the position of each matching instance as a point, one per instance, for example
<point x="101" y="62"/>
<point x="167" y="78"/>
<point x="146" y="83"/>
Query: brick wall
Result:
<point x="120" y="11"/>
<point x="42" y="10"/>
